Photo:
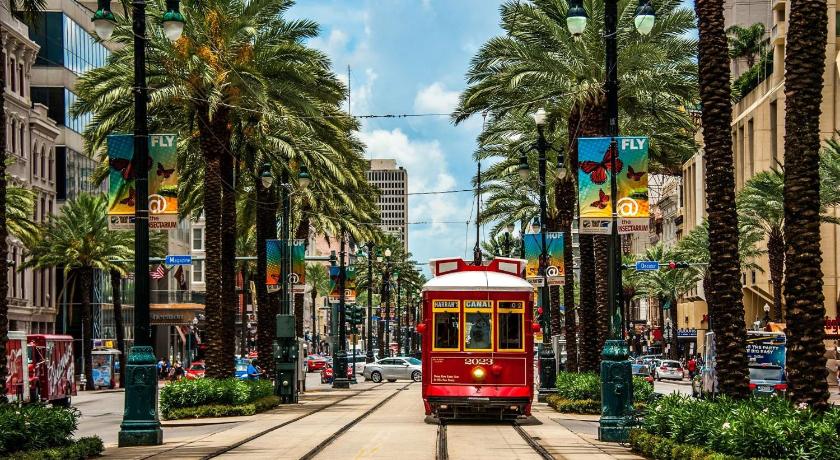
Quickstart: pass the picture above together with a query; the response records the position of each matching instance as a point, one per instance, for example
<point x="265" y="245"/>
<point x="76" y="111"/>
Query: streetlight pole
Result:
<point x="340" y="375"/>
<point x="369" y="355"/>
<point x="548" y="365"/>
<point x="285" y="259"/>
<point x="140" y="425"/>
<point x="399" y="316"/>
<point x="386" y="286"/>
<point x="616" y="382"/>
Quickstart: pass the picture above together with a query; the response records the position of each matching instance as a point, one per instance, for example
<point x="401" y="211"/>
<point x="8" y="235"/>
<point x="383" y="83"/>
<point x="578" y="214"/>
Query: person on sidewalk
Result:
<point x="692" y="367"/>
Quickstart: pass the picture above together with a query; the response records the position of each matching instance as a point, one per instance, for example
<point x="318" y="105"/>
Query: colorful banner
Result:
<point x="273" y="256"/>
<point x="163" y="181"/>
<point x="349" y="283"/>
<point x="555" y="270"/>
<point x="630" y="167"/>
<point x="298" y="276"/>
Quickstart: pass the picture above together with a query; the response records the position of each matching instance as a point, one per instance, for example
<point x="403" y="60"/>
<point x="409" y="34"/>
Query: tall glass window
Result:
<point x="478" y="325"/>
<point x="511" y="327"/>
<point x="79" y="123"/>
<point x="446" y="315"/>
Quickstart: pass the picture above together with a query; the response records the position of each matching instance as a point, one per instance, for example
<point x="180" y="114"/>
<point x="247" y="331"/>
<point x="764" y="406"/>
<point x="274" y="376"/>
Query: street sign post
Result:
<point x="647" y="265"/>
<point x="178" y="260"/>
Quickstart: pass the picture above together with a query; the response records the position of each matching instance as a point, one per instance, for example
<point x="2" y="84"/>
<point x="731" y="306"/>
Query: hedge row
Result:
<point x="581" y="406"/>
<point x="223" y="410"/>
<point x="661" y="448"/>
<point x="35" y="426"/>
<point x="184" y="393"/>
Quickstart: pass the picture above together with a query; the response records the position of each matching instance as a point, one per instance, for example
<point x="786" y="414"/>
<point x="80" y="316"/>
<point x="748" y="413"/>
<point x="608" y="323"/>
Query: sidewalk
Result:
<point x="573" y="437"/>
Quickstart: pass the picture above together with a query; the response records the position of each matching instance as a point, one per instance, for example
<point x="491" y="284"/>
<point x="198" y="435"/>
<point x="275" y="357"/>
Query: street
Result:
<point x="370" y="421"/>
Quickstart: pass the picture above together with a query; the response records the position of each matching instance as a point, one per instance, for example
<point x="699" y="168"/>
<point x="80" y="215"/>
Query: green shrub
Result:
<point x="223" y="410"/>
<point x="753" y="428"/>
<point x="574" y="406"/>
<point x="587" y="385"/>
<point x="661" y="448"/>
<point x="79" y="450"/>
<point x="35" y="426"/>
<point x="193" y="393"/>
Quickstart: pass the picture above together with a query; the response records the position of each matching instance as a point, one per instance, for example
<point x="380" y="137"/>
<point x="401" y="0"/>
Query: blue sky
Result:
<point x="410" y="56"/>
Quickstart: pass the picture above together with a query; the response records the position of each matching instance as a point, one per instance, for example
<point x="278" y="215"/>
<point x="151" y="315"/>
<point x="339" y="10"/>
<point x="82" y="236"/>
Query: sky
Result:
<point x="410" y="57"/>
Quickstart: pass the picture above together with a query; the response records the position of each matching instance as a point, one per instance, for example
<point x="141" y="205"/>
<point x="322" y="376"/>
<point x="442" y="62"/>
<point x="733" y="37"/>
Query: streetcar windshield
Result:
<point x="510" y="331"/>
<point x="478" y="332"/>
<point x="446" y="330"/>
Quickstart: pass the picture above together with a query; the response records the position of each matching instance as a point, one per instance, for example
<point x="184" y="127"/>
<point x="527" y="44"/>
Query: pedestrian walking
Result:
<point x="692" y="367"/>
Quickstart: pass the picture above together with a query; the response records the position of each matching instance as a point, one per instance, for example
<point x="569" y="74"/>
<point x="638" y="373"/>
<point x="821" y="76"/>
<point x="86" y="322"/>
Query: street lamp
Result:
<point x="766" y="313"/>
<point x="340" y="379"/>
<point x="369" y="354"/>
<point x="267" y="178"/>
<point x="140" y="425"/>
<point x="386" y="294"/>
<point x="616" y="383"/>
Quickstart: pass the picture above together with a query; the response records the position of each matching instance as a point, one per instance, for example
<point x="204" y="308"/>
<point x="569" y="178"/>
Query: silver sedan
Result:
<point x="394" y="368"/>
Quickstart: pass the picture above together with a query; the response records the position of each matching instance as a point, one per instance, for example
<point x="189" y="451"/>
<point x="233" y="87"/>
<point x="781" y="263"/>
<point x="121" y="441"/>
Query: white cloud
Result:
<point x="435" y="98"/>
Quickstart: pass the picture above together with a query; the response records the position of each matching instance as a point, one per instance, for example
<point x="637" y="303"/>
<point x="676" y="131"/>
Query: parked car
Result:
<point x="359" y="365"/>
<point x="643" y="371"/>
<point x="668" y="369"/>
<point x="315" y="363"/>
<point x="327" y="373"/>
<point x="392" y="369"/>
<point x="196" y="370"/>
<point x="767" y="380"/>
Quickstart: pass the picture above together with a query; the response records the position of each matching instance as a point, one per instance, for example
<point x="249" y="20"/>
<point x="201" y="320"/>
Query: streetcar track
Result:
<point x="532" y="442"/>
<point x="278" y="426"/>
<point x="442" y="452"/>
<point x="337" y="434"/>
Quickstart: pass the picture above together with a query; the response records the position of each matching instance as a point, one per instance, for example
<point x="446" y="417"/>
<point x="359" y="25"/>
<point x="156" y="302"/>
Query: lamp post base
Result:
<point x="341" y="383"/>
<point x="548" y="373"/>
<point x="616" y="393"/>
<point x="140" y="425"/>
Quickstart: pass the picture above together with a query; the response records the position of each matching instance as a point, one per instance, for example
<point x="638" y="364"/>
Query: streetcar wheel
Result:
<point x="375" y="377"/>
<point x="415" y="376"/>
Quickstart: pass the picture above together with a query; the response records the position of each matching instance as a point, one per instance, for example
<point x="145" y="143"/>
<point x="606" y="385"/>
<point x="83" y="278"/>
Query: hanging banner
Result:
<point x="555" y="270"/>
<point x="349" y="283"/>
<point x="163" y="182"/>
<point x="630" y="169"/>
<point x="273" y="256"/>
<point x="298" y="275"/>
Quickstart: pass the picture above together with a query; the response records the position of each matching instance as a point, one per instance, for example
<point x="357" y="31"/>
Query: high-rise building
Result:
<point x="392" y="182"/>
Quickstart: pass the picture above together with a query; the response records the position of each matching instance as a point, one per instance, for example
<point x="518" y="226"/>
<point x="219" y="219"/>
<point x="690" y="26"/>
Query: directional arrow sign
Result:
<point x="647" y="265"/>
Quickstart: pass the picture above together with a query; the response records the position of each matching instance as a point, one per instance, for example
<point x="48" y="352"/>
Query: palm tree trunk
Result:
<point x="315" y="344"/>
<point x="776" y="256"/>
<point x="724" y="295"/>
<point x="4" y="266"/>
<point x="214" y="140"/>
<point x="266" y="307"/>
<point x="804" y="67"/>
<point x="116" y="292"/>
<point x="589" y="351"/>
<point x="230" y="300"/>
<point x="86" y="280"/>
<point x="602" y="307"/>
<point x="565" y="199"/>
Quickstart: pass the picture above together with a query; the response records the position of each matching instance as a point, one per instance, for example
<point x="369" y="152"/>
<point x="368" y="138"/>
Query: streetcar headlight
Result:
<point x="479" y="373"/>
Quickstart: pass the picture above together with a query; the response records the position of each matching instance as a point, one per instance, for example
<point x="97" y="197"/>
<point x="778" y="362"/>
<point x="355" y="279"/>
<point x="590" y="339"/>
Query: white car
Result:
<point x="392" y="369"/>
<point x="668" y="369"/>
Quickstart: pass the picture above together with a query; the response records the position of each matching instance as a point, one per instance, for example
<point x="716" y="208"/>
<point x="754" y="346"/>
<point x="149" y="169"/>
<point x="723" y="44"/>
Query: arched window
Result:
<point x="50" y="172"/>
<point x="23" y="140"/>
<point x="14" y="137"/>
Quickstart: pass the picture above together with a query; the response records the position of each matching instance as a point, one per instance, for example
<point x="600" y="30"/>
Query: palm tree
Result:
<point x="78" y="239"/>
<point x="318" y="280"/>
<point x="804" y="66"/>
<point x="234" y="59"/>
<point x="761" y="206"/>
<point x="746" y="42"/>
<point x="724" y="296"/>
<point x="25" y="10"/>
<point x="20" y="202"/>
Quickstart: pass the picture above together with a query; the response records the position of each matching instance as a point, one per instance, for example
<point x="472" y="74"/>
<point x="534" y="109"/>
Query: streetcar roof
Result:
<point x="477" y="281"/>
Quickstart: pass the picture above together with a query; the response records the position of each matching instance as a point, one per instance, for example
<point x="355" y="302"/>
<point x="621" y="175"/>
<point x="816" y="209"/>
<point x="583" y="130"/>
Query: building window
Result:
<point x="198" y="239"/>
<point x="198" y="271"/>
<point x="773" y="133"/>
<point x="20" y="79"/>
<point x="12" y="75"/>
<point x="23" y="143"/>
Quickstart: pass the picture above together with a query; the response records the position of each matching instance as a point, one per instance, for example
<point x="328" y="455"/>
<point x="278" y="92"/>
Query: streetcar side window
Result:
<point x="511" y="326"/>
<point x="478" y="325"/>
<point x="447" y="325"/>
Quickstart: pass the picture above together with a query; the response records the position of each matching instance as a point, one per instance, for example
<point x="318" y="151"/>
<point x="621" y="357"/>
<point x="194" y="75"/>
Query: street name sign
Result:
<point x="647" y="265"/>
<point x="178" y="260"/>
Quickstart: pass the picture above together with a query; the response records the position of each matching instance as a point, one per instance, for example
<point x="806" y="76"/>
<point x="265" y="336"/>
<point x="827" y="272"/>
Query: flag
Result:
<point x="159" y="272"/>
<point x="179" y="277"/>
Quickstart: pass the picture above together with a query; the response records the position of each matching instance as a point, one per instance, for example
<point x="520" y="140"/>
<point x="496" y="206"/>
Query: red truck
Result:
<point x="45" y="361"/>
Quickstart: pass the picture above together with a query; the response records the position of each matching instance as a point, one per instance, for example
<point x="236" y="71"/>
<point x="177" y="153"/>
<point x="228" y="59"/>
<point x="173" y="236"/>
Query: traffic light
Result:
<point x="674" y="265"/>
<point x="540" y="316"/>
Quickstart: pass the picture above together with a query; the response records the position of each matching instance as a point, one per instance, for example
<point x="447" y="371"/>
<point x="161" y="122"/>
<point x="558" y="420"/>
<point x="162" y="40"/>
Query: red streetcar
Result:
<point x="478" y="358"/>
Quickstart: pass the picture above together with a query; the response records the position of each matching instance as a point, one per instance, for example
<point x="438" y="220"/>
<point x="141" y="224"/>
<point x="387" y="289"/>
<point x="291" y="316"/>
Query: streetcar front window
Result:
<point x="478" y="330"/>
<point x="446" y="330"/>
<point x="511" y="327"/>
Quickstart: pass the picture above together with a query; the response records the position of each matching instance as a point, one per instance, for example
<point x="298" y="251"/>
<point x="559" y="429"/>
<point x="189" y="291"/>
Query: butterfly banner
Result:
<point x="163" y="182"/>
<point x="555" y="270"/>
<point x="630" y="167"/>
<point x="273" y="256"/>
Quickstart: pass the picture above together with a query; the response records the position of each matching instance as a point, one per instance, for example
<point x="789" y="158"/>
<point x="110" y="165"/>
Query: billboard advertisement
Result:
<point x="163" y="181"/>
<point x="599" y="161"/>
<point x="555" y="270"/>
